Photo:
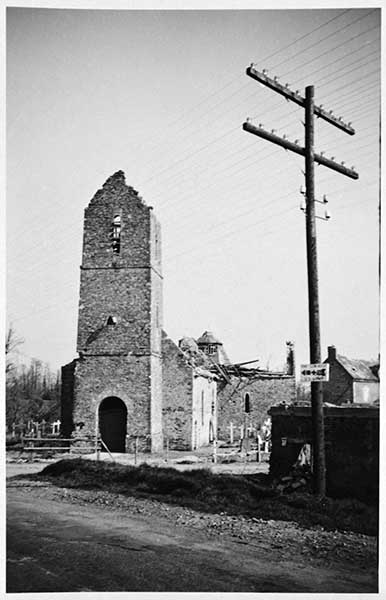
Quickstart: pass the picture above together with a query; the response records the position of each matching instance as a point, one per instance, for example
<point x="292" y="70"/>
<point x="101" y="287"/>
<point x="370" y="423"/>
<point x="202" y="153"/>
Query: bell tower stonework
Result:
<point x="115" y="386"/>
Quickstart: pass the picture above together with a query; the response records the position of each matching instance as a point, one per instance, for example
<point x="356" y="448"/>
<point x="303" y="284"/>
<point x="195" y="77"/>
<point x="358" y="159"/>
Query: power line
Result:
<point x="360" y="18"/>
<point x="326" y="38"/>
<point x="233" y="80"/>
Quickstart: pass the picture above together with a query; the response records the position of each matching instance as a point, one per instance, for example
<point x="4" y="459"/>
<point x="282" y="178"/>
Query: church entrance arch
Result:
<point x="112" y="423"/>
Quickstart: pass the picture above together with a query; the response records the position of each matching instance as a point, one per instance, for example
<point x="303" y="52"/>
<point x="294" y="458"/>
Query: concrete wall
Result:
<point x="263" y="393"/>
<point x="352" y="447"/>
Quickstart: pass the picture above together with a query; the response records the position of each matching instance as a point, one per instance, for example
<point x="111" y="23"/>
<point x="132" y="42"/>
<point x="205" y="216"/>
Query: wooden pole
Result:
<point x="135" y="450"/>
<point x="107" y="450"/>
<point x="258" y="448"/>
<point x="313" y="299"/>
<point x="97" y="448"/>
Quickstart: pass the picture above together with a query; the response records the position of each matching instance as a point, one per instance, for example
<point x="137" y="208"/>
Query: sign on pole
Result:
<point x="315" y="372"/>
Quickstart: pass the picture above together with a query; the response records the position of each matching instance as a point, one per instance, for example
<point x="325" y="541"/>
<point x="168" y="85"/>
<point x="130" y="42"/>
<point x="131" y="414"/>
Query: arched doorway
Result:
<point x="112" y="424"/>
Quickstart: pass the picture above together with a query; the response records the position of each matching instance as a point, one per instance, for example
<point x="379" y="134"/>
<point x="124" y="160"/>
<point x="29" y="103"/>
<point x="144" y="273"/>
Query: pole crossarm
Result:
<point x="284" y="90"/>
<point x="288" y="145"/>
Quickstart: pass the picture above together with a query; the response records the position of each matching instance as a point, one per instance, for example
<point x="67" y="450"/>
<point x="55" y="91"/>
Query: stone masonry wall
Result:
<point x="156" y="428"/>
<point x="263" y="393"/>
<point x="124" y="294"/>
<point x="339" y="388"/>
<point x="116" y="198"/>
<point x="67" y="399"/>
<point x="127" y="378"/>
<point x="156" y="312"/>
<point x="177" y="396"/>
<point x="352" y="447"/>
<point x="125" y="285"/>
<point x="120" y="313"/>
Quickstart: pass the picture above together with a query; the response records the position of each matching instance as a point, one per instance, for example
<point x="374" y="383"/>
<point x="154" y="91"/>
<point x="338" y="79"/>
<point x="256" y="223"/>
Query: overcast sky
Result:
<point x="162" y="95"/>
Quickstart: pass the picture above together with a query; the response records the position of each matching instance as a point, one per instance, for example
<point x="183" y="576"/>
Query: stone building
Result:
<point x="131" y="382"/>
<point x="351" y="381"/>
<point x="116" y="383"/>
<point x="245" y="394"/>
<point x="189" y="395"/>
<point x="213" y="348"/>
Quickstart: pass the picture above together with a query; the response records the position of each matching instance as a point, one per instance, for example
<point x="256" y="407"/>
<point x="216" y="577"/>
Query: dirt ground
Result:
<point x="179" y="460"/>
<point x="261" y="556"/>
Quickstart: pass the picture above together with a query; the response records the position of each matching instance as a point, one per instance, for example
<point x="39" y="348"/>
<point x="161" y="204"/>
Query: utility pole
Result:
<point x="319" y="459"/>
<point x="318" y="443"/>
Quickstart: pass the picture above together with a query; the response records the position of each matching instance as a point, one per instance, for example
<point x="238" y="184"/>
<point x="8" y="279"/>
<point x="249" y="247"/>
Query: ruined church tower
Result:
<point x="117" y="380"/>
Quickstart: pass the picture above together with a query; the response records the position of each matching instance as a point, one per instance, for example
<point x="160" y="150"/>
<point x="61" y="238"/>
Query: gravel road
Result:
<point x="152" y="546"/>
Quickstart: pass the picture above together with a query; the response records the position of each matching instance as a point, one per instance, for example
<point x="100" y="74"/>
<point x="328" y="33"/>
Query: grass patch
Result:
<point x="248" y="495"/>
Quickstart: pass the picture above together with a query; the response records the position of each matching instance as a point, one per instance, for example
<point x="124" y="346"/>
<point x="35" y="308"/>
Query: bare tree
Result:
<point x="12" y="341"/>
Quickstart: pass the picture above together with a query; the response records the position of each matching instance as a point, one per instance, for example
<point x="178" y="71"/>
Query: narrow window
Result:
<point x="202" y="407"/>
<point x="247" y="405"/>
<point x="116" y="234"/>
<point x="213" y="407"/>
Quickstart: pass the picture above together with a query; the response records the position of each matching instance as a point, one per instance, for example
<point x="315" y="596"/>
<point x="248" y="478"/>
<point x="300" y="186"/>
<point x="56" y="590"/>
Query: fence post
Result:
<point x="97" y="448"/>
<point x="215" y="451"/>
<point x="135" y="450"/>
<point x="258" y="448"/>
<point x="106" y="448"/>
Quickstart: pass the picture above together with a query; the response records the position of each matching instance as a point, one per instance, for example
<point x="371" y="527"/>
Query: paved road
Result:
<point x="61" y="547"/>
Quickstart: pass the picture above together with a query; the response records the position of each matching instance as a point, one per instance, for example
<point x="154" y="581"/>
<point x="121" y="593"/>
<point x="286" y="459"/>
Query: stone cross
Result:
<point x="230" y="427"/>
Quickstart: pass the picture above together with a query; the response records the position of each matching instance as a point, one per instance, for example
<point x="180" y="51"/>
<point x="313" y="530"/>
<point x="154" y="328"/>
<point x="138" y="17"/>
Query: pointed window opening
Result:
<point x="116" y="234"/>
<point x="213" y="404"/>
<point x="247" y="404"/>
<point x="112" y="321"/>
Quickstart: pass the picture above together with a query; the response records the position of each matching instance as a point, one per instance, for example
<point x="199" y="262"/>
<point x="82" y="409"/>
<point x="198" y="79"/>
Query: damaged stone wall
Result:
<point x="352" y="447"/>
<point x="189" y="400"/>
<point x="67" y="399"/>
<point x="120" y="313"/>
<point x="263" y="393"/>
<point x="177" y="385"/>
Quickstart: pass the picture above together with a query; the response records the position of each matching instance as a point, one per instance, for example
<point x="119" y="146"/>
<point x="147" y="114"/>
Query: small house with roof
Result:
<point x="213" y="348"/>
<point x="351" y="381"/>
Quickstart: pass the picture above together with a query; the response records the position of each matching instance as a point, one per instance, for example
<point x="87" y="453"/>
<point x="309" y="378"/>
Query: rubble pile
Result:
<point x="299" y="479"/>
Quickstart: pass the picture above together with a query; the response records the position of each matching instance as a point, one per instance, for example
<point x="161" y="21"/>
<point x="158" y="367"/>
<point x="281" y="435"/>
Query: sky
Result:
<point x="162" y="95"/>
